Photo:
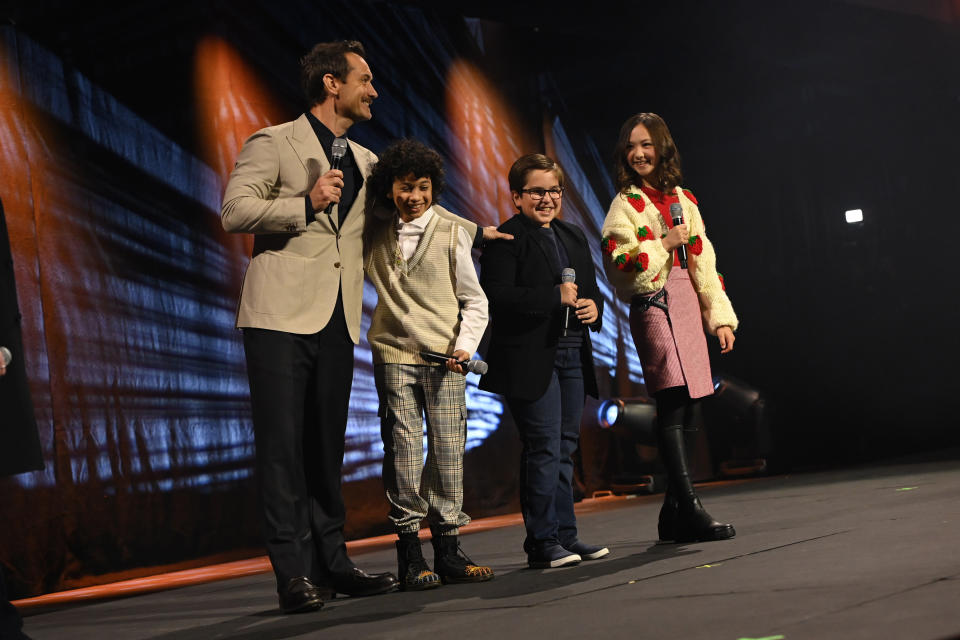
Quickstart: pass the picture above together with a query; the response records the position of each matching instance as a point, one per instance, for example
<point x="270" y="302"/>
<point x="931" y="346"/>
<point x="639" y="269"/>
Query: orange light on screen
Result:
<point x="232" y="103"/>
<point x="486" y="139"/>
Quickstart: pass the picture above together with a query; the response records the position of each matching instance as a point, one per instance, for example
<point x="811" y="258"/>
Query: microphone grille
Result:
<point x="479" y="367"/>
<point x="339" y="148"/>
<point x="676" y="210"/>
<point x="5" y="356"/>
<point x="568" y="275"/>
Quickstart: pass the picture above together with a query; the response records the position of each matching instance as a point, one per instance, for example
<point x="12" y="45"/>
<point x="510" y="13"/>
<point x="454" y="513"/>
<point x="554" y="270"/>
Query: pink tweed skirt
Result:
<point x="671" y="345"/>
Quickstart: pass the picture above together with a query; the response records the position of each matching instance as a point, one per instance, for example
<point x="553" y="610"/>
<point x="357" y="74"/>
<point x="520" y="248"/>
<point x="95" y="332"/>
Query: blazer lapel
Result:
<point x="566" y="238"/>
<point x="363" y="159"/>
<point x="534" y="237"/>
<point x="307" y="147"/>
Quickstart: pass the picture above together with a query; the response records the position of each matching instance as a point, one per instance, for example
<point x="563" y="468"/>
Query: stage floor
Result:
<point x="871" y="552"/>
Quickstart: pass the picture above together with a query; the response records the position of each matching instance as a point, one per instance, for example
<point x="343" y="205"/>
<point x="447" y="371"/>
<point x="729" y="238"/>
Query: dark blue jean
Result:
<point x="550" y="431"/>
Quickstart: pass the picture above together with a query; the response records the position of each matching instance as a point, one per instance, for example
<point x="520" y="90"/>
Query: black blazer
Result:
<point x="526" y="316"/>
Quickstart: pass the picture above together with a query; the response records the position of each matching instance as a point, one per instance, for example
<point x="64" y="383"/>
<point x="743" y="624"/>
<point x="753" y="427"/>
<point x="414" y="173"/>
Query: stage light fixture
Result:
<point x="631" y="422"/>
<point x="634" y="416"/>
<point x="740" y="409"/>
<point x="854" y="215"/>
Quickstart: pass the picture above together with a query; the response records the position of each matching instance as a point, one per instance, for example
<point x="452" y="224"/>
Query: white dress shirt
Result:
<point x="473" y="302"/>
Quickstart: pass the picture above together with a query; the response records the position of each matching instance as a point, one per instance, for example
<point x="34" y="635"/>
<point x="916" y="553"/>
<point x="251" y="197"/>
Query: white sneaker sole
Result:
<point x="596" y="555"/>
<point x="565" y="561"/>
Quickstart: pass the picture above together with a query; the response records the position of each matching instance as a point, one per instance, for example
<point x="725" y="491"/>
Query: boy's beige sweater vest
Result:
<point x="417" y="307"/>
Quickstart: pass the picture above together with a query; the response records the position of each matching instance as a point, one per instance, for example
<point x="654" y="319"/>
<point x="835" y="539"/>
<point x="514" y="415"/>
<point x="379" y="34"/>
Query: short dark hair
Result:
<point x="517" y="177"/>
<point x="324" y="58"/>
<point x="400" y="159"/>
<point x="667" y="174"/>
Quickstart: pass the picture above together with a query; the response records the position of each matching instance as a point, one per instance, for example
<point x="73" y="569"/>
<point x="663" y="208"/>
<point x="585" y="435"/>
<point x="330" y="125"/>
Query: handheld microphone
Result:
<point x="567" y="275"/>
<point x="5" y="356"/>
<point x="478" y="367"/>
<point x="337" y="151"/>
<point x="676" y="212"/>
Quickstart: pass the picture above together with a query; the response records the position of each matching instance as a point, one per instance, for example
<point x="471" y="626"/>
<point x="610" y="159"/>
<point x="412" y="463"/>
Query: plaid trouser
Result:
<point x="418" y="490"/>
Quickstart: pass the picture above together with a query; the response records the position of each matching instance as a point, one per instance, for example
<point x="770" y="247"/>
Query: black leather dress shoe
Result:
<point x="358" y="582"/>
<point x="300" y="595"/>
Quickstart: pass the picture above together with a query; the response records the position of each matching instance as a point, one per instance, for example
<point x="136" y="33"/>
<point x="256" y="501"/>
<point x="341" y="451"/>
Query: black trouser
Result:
<point x="299" y="394"/>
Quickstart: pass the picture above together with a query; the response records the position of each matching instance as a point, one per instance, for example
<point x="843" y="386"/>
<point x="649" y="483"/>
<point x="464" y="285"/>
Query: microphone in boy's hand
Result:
<point x="478" y="367"/>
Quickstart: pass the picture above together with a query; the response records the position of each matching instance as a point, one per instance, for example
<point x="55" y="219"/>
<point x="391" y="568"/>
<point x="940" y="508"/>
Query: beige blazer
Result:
<point x="297" y="268"/>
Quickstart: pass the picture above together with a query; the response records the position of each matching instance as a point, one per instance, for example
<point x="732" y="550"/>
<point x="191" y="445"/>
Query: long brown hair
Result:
<point x="667" y="174"/>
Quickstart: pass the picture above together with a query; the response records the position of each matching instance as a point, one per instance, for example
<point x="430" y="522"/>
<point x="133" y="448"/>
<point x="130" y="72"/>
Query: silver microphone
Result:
<point x="337" y="151"/>
<point x="478" y="367"/>
<point x="567" y="275"/>
<point x="6" y="356"/>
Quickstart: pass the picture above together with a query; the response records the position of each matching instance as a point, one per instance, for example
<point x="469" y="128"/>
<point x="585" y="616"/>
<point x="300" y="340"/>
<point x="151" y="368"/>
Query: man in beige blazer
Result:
<point x="300" y="311"/>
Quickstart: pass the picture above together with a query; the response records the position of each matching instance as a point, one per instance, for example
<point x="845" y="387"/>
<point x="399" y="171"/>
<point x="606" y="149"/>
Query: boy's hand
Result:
<point x="453" y="364"/>
<point x="587" y="310"/>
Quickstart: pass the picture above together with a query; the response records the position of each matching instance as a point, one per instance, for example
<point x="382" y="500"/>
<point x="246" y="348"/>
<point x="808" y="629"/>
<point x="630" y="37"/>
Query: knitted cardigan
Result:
<point x="637" y="264"/>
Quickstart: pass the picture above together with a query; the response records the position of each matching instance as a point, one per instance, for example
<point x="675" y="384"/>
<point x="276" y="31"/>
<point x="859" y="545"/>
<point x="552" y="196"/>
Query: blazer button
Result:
<point x="336" y="265"/>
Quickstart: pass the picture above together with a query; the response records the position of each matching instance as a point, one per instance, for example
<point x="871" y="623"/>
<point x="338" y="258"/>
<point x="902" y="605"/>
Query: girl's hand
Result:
<point x="677" y="236"/>
<point x="725" y="334"/>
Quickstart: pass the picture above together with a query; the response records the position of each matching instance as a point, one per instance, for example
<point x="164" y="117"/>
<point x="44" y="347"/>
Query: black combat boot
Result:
<point x="453" y="565"/>
<point x="414" y="573"/>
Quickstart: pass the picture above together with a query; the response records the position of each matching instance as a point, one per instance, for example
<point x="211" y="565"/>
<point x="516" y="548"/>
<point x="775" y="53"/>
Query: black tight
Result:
<point x="676" y="408"/>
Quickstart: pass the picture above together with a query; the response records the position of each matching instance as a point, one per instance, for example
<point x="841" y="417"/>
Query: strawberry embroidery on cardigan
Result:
<point x="655" y="278"/>
<point x="696" y="245"/>
<point x="689" y="195"/>
<point x="644" y="233"/>
<point x="636" y="201"/>
<point x="643" y="260"/>
<point x="608" y="244"/>
<point x="723" y="285"/>
<point x="623" y="262"/>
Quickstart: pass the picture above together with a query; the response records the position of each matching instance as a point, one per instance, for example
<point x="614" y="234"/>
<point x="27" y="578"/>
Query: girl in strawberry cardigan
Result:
<point x="673" y="300"/>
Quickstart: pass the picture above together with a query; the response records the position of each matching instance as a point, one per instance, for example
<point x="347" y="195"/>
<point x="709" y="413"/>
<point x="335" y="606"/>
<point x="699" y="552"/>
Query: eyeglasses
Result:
<point x="537" y="193"/>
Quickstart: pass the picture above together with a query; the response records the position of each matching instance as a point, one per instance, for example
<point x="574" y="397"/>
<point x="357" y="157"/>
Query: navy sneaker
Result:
<point x="552" y="556"/>
<point x="586" y="551"/>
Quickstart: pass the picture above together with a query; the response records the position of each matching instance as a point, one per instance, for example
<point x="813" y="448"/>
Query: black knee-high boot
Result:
<point x="692" y="523"/>
<point x="667" y="521"/>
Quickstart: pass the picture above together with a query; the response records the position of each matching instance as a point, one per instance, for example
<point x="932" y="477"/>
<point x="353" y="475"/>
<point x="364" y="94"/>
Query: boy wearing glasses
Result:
<point x="540" y="354"/>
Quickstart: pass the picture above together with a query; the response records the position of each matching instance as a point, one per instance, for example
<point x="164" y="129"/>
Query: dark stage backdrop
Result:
<point x="128" y="284"/>
<point x="787" y="115"/>
<point x="117" y="134"/>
